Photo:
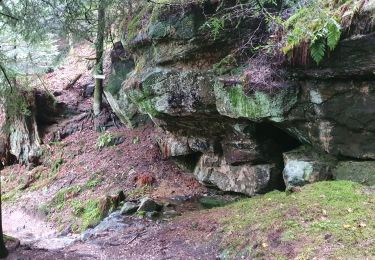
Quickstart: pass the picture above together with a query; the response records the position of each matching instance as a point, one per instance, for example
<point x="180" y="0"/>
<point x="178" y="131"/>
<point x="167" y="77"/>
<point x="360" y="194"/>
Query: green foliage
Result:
<point x="91" y="215"/>
<point x="216" y="25"/>
<point x="55" y="168"/>
<point x="139" y="192"/>
<point x="10" y="196"/>
<point x="225" y="65"/>
<point x="318" y="25"/>
<point x="92" y="183"/>
<point x="58" y="201"/>
<point x="317" y="50"/>
<point x="104" y="140"/>
<point x="77" y="207"/>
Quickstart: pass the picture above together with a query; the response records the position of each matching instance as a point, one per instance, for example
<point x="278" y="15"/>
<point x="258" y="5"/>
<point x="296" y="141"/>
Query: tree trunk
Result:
<point x="3" y="249"/>
<point x="98" y="93"/>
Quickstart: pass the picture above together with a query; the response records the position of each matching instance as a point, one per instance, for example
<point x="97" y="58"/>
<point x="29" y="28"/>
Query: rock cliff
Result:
<point x="319" y="124"/>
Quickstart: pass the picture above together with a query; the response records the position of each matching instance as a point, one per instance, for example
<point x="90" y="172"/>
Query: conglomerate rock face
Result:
<point x="246" y="139"/>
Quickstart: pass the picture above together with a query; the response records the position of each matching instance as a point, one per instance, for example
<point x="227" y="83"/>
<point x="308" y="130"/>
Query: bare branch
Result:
<point x="5" y="75"/>
<point x="9" y="16"/>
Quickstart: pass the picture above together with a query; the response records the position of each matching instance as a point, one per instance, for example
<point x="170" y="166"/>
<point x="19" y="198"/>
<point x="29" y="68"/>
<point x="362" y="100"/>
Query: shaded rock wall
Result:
<point x="23" y="125"/>
<point x="246" y="137"/>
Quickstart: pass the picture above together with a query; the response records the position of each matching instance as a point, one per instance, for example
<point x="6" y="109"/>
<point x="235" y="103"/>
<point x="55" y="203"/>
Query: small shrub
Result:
<point x="104" y="140"/>
<point x="43" y="209"/>
<point x="216" y="26"/>
<point x="10" y="196"/>
<point x="316" y="27"/>
<point x="56" y="166"/>
<point x="139" y="192"/>
<point x="77" y="207"/>
<point x="92" y="183"/>
<point x="58" y="201"/>
<point x="91" y="215"/>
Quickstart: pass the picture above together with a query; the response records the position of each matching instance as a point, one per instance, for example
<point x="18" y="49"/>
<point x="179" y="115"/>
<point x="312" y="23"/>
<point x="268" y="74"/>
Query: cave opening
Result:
<point x="285" y="141"/>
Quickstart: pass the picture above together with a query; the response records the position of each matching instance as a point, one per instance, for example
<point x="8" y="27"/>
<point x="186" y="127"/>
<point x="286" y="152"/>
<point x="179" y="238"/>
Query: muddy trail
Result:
<point x="76" y="171"/>
<point x="117" y="237"/>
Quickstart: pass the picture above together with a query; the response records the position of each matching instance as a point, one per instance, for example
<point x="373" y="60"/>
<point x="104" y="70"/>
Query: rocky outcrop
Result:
<point x="304" y="165"/>
<point x="362" y="172"/>
<point x="243" y="133"/>
<point x="212" y="170"/>
<point x="22" y="130"/>
<point x="24" y="139"/>
<point x="23" y="124"/>
<point x="122" y="65"/>
<point x="335" y="116"/>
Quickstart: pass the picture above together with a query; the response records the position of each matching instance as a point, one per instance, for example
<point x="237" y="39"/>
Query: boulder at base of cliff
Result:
<point x="361" y="171"/>
<point x="304" y="165"/>
<point x="213" y="170"/>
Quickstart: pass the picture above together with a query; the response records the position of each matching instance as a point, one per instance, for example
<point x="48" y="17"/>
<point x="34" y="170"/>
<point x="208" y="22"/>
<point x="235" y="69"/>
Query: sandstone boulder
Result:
<point x="304" y="165"/>
<point x="213" y="170"/>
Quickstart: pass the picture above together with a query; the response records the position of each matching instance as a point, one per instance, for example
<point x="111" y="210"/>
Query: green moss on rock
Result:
<point x="144" y="101"/>
<point x="119" y="73"/>
<point x="233" y="102"/>
<point x="212" y="202"/>
<point x="362" y="172"/>
<point x="305" y="165"/>
<point x="135" y="25"/>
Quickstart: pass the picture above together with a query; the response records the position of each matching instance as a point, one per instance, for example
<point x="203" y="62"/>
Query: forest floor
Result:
<point x="45" y="207"/>
<point x="49" y="208"/>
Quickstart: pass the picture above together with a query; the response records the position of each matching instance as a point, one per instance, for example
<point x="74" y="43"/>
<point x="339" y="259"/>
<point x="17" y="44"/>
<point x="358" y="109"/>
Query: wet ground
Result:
<point x="189" y="236"/>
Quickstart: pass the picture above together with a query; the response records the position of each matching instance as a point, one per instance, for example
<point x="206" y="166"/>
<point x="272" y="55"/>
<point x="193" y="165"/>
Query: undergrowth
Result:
<point x="104" y="140"/>
<point x="315" y="29"/>
<point x="91" y="215"/>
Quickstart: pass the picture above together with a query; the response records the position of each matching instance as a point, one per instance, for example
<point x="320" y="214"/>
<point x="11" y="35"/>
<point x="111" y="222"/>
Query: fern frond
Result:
<point x="334" y="33"/>
<point x="317" y="50"/>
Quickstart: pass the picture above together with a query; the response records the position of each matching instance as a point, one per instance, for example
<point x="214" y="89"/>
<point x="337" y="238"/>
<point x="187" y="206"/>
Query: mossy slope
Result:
<point x="330" y="220"/>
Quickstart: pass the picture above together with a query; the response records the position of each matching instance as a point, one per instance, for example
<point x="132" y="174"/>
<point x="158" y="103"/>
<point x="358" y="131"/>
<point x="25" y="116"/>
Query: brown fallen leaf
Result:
<point x="362" y="225"/>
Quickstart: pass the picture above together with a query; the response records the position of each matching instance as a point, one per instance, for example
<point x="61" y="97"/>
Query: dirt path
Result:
<point x="120" y="237"/>
<point x="32" y="231"/>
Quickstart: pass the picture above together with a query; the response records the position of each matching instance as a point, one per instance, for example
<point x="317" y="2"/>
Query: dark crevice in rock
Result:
<point x="47" y="110"/>
<point x="285" y="141"/>
<point x="188" y="162"/>
<point x="210" y="7"/>
<point x="343" y="158"/>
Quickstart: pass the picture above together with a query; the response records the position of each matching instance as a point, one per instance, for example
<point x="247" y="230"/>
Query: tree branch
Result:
<point x="5" y="74"/>
<point x="9" y="16"/>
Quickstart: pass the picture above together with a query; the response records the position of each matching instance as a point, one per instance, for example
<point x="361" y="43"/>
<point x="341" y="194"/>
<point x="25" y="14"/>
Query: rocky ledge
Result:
<point x="319" y="125"/>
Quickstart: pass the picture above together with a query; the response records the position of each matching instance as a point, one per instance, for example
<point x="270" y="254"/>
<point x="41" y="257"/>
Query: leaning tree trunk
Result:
<point x="98" y="94"/>
<point x="3" y="249"/>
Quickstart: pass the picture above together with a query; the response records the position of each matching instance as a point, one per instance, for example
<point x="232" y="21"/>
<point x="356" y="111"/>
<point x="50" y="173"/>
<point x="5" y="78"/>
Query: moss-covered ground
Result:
<point x="330" y="220"/>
